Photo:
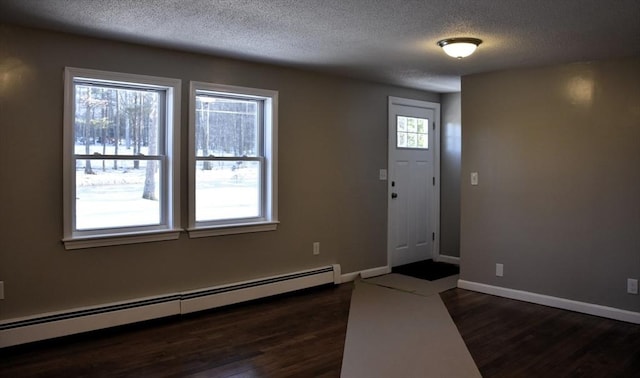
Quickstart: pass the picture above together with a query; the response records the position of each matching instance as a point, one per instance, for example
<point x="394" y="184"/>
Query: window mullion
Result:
<point x="229" y="158"/>
<point x="119" y="157"/>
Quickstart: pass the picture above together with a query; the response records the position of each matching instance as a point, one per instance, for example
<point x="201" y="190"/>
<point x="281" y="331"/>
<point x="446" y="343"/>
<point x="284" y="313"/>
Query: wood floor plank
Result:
<point x="302" y="335"/>
<point x="509" y="338"/>
<point x="295" y="335"/>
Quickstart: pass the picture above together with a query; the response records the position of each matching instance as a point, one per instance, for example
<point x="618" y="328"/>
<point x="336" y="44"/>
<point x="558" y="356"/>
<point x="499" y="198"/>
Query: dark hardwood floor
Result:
<point x="302" y="335"/>
<point x="509" y="338"/>
<point x="295" y="335"/>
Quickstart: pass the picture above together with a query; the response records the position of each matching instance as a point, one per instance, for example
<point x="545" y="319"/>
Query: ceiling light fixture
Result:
<point x="459" y="47"/>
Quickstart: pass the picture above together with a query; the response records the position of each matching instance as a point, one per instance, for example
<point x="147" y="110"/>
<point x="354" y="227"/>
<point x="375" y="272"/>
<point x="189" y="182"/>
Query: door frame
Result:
<point x="435" y="216"/>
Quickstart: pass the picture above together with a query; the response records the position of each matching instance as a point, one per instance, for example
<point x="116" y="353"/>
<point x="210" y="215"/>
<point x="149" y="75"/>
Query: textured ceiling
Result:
<point x="391" y="41"/>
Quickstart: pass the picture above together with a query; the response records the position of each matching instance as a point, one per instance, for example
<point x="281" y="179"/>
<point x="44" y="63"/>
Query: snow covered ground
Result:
<point x="113" y="197"/>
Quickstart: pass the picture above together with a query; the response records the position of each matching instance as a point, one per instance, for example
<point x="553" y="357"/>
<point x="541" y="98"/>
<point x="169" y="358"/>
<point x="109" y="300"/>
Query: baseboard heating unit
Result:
<point x="63" y="323"/>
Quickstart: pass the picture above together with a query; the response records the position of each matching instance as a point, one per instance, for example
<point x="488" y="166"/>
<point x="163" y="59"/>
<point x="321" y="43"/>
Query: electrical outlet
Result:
<point x="316" y="248"/>
<point x="499" y="270"/>
<point x="1" y="289"/>
<point x="632" y="286"/>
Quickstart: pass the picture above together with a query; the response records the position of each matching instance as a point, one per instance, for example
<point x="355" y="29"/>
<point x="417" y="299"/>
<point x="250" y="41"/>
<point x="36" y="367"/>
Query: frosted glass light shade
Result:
<point x="459" y="47"/>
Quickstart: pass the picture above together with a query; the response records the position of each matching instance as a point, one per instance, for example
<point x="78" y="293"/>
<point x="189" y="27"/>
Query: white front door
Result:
<point x="413" y="179"/>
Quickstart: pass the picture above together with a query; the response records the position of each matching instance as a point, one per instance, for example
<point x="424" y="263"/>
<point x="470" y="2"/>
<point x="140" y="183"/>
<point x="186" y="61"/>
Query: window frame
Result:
<point x="169" y="227"/>
<point x="268" y="156"/>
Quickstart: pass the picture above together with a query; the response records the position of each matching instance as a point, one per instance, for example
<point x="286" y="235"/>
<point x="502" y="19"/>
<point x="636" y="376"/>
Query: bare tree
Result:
<point x="117" y="125"/>
<point x="90" y="121"/>
<point x="149" y="190"/>
<point x="87" y="131"/>
<point x="205" y="132"/>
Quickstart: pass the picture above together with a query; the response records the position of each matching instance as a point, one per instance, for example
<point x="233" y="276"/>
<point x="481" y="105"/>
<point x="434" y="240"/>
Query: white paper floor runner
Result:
<point x="403" y="333"/>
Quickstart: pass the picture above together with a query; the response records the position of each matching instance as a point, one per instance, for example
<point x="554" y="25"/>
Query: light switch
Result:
<point x="632" y="286"/>
<point x="383" y="175"/>
<point x="474" y="178"/>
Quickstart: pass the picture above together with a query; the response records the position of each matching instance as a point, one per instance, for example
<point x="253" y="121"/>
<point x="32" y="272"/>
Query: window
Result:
<point x="412" y="132"/>
<point x="233" y="160"/>
<point x="120" y="158"/>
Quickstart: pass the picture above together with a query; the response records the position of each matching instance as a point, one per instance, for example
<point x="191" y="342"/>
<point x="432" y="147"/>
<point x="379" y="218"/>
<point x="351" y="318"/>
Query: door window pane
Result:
<point x="412" y="132"/>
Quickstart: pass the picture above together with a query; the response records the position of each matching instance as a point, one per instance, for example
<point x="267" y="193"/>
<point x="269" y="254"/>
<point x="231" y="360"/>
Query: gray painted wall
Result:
<point x="558" y="201"/>
<point x="332" y="142"/>
<point x="450" y="164"/>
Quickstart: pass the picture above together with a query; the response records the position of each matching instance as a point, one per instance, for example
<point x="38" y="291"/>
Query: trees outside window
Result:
<point x="119" y="159"/>
<point x="233" y="175"/>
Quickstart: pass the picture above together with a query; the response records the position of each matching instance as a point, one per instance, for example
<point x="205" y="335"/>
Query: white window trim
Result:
<point x="169" y="231"/>
<point x="270" y="134"/>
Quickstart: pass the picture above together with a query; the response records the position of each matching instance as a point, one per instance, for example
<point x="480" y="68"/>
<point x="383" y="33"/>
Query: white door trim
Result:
<point x="436" y="170"/>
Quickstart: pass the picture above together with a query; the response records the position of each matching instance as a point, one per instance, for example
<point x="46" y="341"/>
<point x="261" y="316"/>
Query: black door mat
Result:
<point x="427" y="270"/>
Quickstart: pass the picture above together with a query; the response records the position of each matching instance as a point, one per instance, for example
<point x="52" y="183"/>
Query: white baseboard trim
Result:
<point x="367" y="273"/>
<point x="449" y="259"/>
<point x="86" y="319"/>
<point x="247" y="291"/>
<point x="63" y="323"/>
<point x="562" y="303"/>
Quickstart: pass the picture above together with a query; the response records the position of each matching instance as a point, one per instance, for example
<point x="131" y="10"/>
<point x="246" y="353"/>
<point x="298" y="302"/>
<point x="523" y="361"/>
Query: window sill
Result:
<point x="231" y="229"/>
<point x="120" y="239"/>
